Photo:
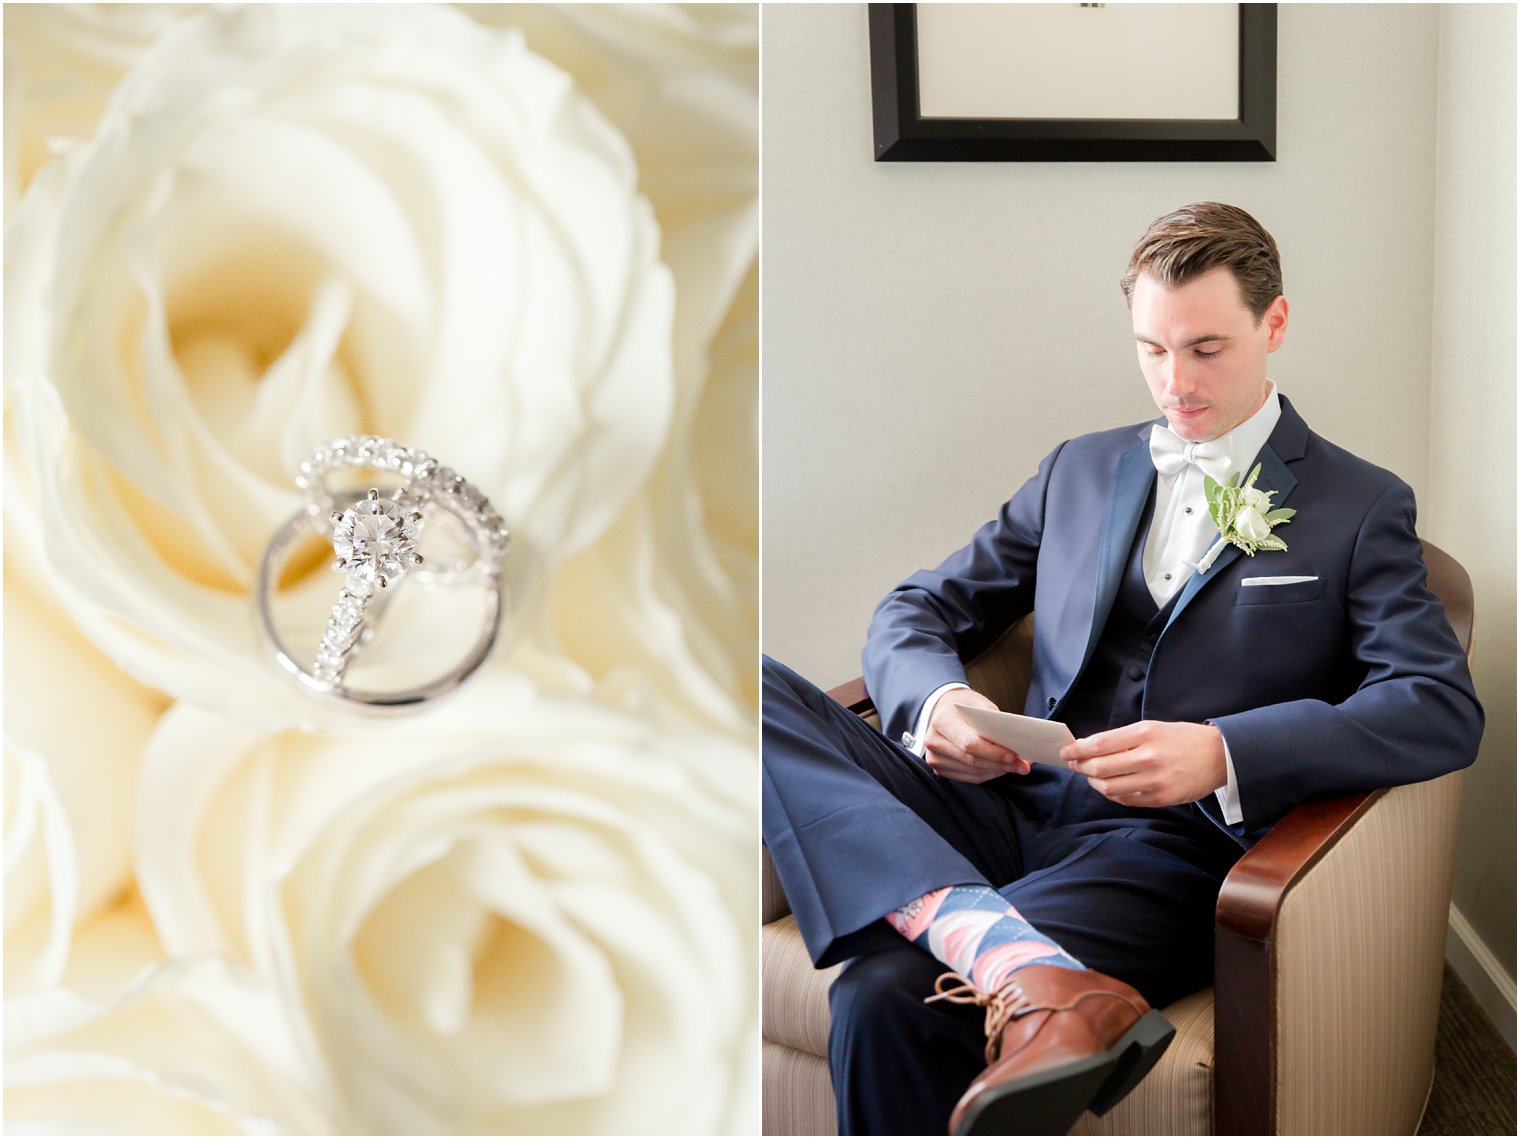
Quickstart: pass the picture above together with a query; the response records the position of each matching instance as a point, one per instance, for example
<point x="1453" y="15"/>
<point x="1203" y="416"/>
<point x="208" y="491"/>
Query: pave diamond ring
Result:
<point x="375" y="536"/>
<point x="376" y="543"/>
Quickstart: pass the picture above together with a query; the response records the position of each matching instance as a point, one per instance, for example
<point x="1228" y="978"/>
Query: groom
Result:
<point x="1022" y="921"/>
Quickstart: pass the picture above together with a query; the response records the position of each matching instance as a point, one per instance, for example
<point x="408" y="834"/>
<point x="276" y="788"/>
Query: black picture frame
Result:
<point x="903" y="135"/>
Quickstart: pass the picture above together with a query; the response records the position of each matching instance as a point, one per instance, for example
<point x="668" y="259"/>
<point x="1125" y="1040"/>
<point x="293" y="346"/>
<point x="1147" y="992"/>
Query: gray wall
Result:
<point x="1472" y="422"/>
<point x="932" y="330"/>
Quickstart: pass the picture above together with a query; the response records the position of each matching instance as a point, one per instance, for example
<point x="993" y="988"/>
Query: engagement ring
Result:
<point x="375" y="536"/>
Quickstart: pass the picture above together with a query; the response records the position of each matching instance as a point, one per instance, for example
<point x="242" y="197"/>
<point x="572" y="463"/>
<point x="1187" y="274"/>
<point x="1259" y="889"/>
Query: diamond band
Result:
<point x="375" y="537"/>
<point x="369" y="452"/>
<point x="342" y="635"/>
<point x="422" y="473"/>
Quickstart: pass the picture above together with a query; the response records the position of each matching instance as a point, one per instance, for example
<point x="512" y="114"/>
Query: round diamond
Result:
<point x="377" y="539"/>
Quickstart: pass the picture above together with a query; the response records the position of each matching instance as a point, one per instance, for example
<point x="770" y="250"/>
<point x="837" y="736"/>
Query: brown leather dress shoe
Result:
<point x="1059" y="1041"/>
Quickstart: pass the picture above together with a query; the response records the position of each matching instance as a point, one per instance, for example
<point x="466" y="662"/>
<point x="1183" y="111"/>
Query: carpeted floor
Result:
<point x="1474" y="1090"/>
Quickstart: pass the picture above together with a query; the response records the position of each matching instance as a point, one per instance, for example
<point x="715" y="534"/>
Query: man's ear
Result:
<point x="1276" y="318"/>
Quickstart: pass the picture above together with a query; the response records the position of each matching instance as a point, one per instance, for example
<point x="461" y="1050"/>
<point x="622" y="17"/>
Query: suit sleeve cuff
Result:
<point x="915" y="742"/>
<point x="1229" y="794"/>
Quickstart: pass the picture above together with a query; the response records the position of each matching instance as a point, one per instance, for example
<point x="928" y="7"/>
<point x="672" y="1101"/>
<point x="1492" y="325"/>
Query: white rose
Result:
<point x="520" y="931"/>
<point x="1257" y="500"/>
<point x="1251" y="523"/>
<point x="195" y="1047"/>
<point x="295" y="223"/>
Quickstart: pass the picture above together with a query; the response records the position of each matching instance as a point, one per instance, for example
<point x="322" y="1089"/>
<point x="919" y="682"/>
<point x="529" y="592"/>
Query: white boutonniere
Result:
<point x="1244" y="516"/>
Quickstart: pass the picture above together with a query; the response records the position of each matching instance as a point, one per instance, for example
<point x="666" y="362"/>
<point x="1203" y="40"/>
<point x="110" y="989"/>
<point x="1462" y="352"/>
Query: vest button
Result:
<point x="1051" y="703"/>
<point x="1136" y="672"/>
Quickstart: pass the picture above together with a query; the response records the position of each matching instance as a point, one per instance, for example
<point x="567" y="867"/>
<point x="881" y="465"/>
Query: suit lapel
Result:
<point x="1133" y="477"/>
<point x="1274" y="476"/>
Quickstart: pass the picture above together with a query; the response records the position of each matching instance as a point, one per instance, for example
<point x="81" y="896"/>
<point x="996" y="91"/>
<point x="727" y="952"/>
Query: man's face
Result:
<point x="1203" y="357"/>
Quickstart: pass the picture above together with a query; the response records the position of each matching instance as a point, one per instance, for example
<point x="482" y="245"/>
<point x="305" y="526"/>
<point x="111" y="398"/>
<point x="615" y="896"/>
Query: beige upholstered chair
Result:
<point x="1329" y="940"/>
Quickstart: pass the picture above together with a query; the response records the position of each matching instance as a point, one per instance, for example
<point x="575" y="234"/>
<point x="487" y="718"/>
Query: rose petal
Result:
<point x="192" y="1047"/>
<point x="74" y="729"/>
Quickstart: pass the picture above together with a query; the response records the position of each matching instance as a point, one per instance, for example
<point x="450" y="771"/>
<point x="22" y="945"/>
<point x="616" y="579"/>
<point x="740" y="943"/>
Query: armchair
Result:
<point x="1328" y="949"/>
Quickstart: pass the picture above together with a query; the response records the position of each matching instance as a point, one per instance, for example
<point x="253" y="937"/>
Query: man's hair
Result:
<point x="1187" y="243"/>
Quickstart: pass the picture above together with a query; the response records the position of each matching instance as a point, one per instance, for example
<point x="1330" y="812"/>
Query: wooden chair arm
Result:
<point x="1249" y="897"/>
<point x="852" y="694"/>
<point x="1245" y="919"/>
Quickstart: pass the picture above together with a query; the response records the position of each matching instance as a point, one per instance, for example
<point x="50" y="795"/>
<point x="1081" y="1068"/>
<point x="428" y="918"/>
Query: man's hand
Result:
<point x="955" y="750"/>
<point x="1153" y="763"/>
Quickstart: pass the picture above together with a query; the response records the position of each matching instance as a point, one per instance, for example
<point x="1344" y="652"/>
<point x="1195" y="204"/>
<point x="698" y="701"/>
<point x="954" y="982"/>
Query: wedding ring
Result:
<point x="375" y="537"/>
<point x="421" y="474"/>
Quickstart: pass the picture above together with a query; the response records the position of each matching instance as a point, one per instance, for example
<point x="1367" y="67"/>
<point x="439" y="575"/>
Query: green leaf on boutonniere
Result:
<point x="1281" y="514"/>
<point x="1211" y="496"/>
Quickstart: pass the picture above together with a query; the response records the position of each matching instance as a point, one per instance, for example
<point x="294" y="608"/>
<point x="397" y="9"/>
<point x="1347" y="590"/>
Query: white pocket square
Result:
<point x="1277" y="580"/>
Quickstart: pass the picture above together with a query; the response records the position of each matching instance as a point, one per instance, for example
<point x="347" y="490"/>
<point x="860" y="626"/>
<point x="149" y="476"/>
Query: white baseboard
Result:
<point x="1480" y="971"/>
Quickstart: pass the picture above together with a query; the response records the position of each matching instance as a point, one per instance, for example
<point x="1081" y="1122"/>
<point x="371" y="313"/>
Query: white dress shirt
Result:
<point x="1180" y="533"/>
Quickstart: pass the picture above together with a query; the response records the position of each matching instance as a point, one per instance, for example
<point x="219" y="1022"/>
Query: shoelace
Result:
<point x="1008" y="1003"/>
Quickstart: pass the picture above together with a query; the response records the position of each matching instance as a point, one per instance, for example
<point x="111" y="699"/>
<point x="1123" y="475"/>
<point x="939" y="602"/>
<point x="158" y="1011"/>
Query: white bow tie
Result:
<point x="1171" y="455"/>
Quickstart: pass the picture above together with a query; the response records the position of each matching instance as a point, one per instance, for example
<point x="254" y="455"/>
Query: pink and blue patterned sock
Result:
<point x="973" y="930"/>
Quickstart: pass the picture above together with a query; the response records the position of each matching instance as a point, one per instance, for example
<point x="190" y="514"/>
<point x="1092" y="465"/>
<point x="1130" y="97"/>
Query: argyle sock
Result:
<point x="973" y="930"/>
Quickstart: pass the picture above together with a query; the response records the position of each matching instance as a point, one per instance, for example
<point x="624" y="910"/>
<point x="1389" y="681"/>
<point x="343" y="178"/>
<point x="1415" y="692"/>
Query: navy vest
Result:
<point x="1108" y="694"/>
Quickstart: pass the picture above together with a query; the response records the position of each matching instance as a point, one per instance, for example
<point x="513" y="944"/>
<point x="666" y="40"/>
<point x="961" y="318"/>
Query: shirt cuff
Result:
<point x="1229" y="794"/>
<point x="915" y="742"/>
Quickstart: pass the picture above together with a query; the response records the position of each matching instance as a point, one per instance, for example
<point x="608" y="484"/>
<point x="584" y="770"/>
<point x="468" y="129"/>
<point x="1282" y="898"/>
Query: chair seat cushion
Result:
<point x="1177" y="1098"/>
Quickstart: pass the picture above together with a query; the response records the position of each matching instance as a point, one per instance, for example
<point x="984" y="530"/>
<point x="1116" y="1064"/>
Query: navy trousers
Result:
<point x="857" y="826"/>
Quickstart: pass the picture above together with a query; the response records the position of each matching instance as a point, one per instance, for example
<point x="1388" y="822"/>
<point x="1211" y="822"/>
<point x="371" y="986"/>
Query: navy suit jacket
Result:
<point x="1345" y="683"/>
